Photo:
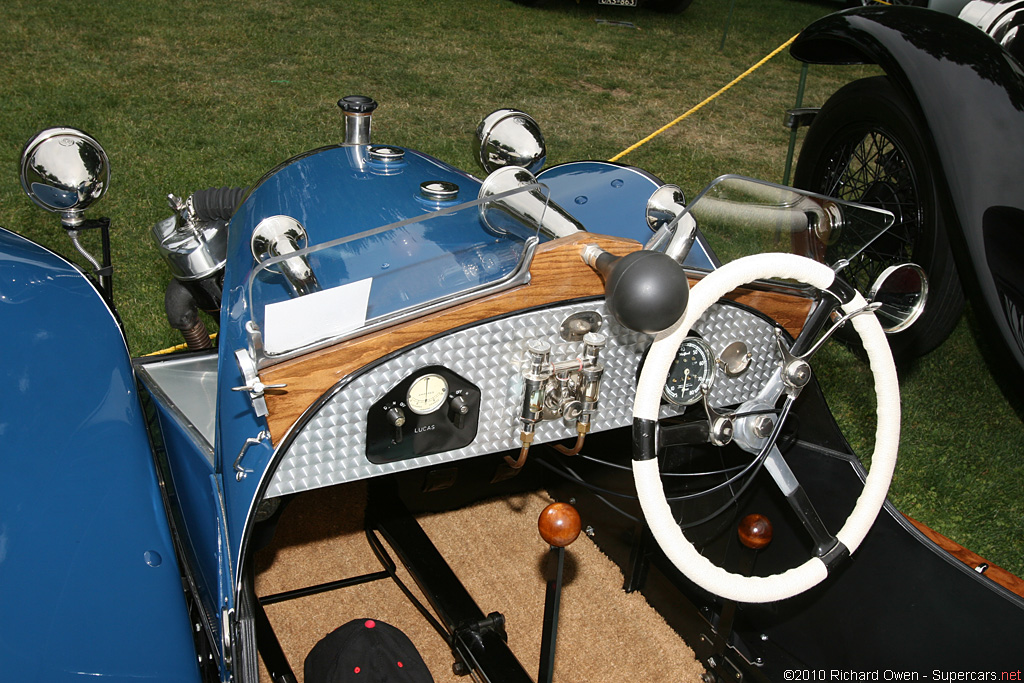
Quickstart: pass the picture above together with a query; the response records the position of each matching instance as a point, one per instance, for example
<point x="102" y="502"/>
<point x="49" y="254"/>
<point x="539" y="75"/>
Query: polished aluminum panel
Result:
<point x="187" y="386"/>
<point x="330" y="446"/>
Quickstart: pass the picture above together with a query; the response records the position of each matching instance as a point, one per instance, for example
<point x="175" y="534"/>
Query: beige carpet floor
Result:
<point x="494" y="548"/>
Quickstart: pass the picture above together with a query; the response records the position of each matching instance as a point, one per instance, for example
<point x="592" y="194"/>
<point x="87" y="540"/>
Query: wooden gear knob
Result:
<point x="559" y="524"/>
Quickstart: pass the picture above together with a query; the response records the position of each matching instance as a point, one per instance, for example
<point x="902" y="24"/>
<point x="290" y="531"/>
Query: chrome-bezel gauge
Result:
<point x="427" y="393"/>
<point x="693" y="366"/>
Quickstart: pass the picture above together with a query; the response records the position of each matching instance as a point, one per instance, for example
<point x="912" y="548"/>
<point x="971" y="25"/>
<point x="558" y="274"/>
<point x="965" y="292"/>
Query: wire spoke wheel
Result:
<point x="866" y="146"/>
<point x="874" y="171"/>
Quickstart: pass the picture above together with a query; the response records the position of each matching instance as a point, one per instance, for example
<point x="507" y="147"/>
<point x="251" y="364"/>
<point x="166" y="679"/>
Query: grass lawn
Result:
<point x="187" y="95"/>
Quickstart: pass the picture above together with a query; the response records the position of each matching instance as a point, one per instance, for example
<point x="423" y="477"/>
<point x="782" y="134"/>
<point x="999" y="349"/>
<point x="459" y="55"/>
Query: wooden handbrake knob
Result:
<point x="755" y="531"/>
<point x="559" y="524"/>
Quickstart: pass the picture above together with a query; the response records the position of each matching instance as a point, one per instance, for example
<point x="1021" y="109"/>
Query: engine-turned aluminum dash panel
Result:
<point x="330" y="448"/>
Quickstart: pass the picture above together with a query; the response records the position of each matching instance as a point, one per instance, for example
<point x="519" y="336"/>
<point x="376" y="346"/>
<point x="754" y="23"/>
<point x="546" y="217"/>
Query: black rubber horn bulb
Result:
<point x="645" y="291"/>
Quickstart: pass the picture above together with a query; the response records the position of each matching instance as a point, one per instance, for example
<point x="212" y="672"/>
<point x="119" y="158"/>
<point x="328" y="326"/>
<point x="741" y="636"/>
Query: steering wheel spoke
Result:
<point x="825" y="543"/>
<point x="693" y="433"/>
<point x="759" y="435"/>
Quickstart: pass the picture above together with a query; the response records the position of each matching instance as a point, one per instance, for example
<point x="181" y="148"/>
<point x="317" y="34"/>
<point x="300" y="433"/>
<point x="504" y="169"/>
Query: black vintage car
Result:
<point x="923" y="141"/>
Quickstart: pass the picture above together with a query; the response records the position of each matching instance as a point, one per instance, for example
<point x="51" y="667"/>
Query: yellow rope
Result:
<point x="172" y="349"/>
<point x="731" y="83"/>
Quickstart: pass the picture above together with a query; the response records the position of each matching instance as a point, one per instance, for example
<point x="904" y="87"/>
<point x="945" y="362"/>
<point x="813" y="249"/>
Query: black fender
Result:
<point x="970" y="94"/>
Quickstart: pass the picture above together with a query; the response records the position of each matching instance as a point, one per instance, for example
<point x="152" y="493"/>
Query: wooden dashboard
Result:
<point x="557" y="274"/>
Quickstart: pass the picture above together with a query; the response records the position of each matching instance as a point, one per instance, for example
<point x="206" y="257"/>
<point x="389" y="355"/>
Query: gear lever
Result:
<point x="559" y="525"/>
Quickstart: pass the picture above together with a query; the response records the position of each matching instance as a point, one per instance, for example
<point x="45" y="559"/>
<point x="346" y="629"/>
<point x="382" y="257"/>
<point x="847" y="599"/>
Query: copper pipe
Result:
<point x="574" y="450"/>
<point x="518" y="464"/>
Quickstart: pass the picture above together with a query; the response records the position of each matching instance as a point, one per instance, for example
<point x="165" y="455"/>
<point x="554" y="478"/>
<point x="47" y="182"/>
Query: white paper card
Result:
<point x="294" y="323"/>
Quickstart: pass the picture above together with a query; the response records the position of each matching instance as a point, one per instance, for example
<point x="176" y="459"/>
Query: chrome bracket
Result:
<point x="253" y="386"/>
<point x="255" y="339"/>
<point x="225" y="634"/>
<point x="796" y="371"/>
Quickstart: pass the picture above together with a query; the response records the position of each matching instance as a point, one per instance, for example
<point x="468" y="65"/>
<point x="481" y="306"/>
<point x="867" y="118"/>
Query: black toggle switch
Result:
<point x="458" y="408"/>
<point x="396" y="416"/>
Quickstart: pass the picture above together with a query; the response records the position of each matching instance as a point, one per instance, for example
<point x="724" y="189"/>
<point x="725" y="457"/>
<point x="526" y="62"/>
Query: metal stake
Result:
<point x="792" y="131"/>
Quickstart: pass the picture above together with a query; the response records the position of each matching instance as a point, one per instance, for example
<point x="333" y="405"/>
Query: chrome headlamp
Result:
<point x="509" y="137"/>
<point x="64" y="170"/>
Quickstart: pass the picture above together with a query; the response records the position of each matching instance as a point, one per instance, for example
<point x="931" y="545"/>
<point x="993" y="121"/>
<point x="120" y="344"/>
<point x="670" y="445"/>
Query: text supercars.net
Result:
<point x="817" y="675"/>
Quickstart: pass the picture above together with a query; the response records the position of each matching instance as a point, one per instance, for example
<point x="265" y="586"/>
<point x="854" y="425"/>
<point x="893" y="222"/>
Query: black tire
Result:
<point x="668" y="6"/>
<point x="866" y="146"/>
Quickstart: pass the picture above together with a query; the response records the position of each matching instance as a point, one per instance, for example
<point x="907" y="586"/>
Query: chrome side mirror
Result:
<point x="509" y="137"/>
<point x="64" y="170"/>
<point x="664" y="206"/>
<point x="900" y="293"/>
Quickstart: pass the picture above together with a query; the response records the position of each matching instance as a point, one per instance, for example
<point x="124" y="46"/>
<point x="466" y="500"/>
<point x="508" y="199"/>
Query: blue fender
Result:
<point x="970" y="93"/>
<point x="89" y="582"/>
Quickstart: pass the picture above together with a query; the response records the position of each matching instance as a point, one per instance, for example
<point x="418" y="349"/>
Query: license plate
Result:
<point x="620" y="3"/>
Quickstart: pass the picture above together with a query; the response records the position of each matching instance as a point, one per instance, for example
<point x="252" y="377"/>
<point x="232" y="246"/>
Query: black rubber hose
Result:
<point x="183" y="315"/>
<point x="217" y="203"/>
<point x="180" y="306"/>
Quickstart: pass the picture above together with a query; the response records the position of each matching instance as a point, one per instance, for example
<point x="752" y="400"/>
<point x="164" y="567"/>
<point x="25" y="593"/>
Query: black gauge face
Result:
<point x="693" y="367"/>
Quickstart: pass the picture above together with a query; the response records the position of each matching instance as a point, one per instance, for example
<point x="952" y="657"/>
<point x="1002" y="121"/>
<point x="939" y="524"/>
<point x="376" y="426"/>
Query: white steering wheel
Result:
<point x="645" y="413"/>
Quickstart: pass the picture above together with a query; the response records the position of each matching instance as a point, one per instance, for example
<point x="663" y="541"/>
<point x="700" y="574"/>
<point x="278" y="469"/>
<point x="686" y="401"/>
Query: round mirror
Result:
<point x="64" y="170"/>
<point x="901" y="292"/>
<point x="665" y="204"/>
<point x="508" y="137"/>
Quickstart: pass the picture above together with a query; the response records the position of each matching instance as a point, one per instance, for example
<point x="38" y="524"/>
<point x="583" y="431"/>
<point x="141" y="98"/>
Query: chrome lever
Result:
<point x="256" y="388"/>
<point x="720" y="425"/>
<point x="869" y="308"/>
<point x="241" y="472"/>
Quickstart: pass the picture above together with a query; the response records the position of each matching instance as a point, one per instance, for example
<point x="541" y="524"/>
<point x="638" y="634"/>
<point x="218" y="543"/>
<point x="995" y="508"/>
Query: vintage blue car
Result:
<point x="424" y="387"/>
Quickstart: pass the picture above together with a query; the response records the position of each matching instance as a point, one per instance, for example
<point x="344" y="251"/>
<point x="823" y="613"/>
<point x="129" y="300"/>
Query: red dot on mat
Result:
<point x="356" y="669"/>
<point x="400" y="665"/>
<point x="370" y="623"/>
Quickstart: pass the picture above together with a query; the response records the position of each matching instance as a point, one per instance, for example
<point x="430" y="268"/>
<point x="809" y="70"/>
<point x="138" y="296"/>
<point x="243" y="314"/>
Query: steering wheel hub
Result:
<point x="754" y="426"/>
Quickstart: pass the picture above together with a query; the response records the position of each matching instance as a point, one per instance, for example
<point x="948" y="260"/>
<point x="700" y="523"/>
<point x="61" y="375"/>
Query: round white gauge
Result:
<point x="427" y="394"/>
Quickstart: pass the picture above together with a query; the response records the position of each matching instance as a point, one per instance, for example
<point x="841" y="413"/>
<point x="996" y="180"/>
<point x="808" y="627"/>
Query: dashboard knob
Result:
<point x="458" y="408"/>
<point x="396" y="416"/>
